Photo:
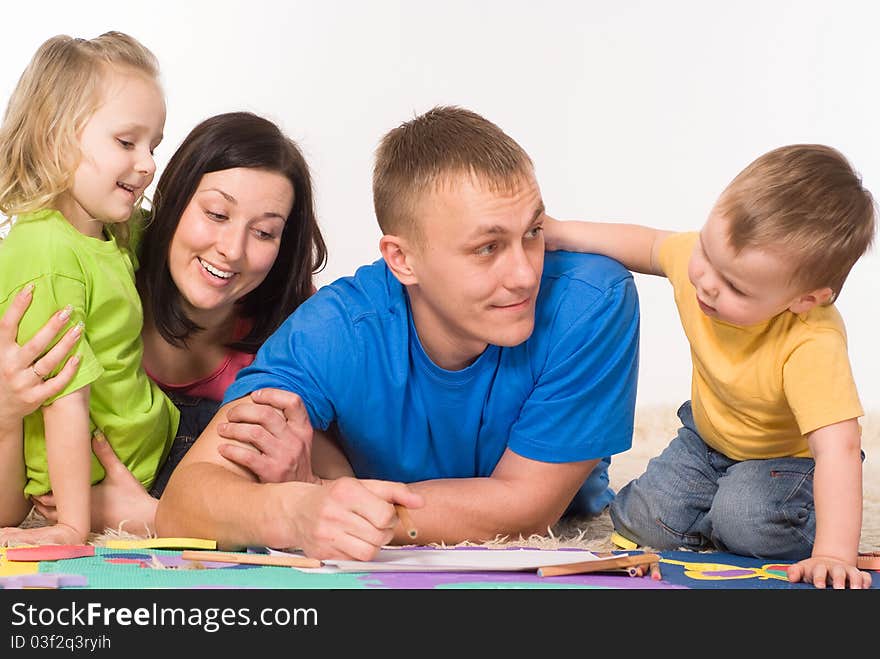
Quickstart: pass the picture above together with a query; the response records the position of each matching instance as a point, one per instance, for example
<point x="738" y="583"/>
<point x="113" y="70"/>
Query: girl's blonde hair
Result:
<point x="56" y="95"/>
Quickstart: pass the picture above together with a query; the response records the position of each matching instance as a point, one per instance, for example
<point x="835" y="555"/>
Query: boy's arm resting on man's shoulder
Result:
<point x="636" y="247"/>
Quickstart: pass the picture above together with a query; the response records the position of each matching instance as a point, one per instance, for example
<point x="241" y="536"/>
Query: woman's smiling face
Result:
<point x="228" y="236"/>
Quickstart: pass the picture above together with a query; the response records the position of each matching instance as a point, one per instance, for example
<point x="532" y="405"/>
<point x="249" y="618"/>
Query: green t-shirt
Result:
<point x="96" y="278"/>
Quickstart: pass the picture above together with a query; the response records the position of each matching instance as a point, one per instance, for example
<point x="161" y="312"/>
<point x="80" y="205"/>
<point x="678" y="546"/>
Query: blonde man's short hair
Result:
<point x="433" y="150"/>
<point x="56" y="95"/>
<point x="806" y="202"/>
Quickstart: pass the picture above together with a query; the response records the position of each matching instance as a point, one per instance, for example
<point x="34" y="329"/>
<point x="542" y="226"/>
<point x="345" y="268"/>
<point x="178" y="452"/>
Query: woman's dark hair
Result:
<point x="228" y="141"/>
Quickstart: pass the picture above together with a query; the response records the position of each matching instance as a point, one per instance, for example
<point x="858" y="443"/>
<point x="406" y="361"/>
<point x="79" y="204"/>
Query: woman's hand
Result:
<point x="23" y="370"/>
<point x="119" y="502"/>
<point x="275" y="425"/>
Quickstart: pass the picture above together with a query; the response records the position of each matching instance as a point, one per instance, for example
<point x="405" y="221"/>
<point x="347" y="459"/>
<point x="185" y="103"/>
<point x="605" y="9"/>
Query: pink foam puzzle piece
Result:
<point x="49" y="552"/>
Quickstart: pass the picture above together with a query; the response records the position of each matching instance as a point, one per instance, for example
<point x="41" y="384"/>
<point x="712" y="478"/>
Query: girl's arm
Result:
<point x="23" y="392"/>
<point x="69" y="454"/>
<point x="14" y="507"/>
<point x="636" y="247"/>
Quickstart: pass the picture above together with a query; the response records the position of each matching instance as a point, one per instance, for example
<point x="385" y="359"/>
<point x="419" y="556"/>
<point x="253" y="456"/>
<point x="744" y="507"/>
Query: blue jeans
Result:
<point x="594" y="495"/>
<point x="694" y="497"/>
<point x="195" y="415"/>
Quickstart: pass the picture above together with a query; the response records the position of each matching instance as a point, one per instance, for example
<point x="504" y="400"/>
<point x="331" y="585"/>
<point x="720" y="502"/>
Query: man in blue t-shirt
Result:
<point x="490" y="380"/>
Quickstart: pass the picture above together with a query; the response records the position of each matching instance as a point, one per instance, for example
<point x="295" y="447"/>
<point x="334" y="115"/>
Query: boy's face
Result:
<point x="479" y="269"/>
<point x="117" y="145"/>
<point x="744" y="288"/>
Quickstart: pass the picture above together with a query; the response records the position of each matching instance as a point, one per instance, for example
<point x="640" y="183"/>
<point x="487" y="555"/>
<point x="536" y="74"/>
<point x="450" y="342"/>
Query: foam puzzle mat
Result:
<point x="110" y="568"/>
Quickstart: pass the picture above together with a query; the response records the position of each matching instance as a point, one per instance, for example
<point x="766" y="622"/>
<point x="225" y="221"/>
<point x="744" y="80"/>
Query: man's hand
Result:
<point x="347" y="519"/>
<point x="275" y="425"/>
<point x="22" y="370"/>
<point x="818" y="570"/>
<point x="119" y="501"/>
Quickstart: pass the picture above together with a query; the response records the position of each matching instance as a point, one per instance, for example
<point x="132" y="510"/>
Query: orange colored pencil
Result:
<point x="406" y="521"/>
<point x="624" y="562"/>
<point x="250" y="559"/>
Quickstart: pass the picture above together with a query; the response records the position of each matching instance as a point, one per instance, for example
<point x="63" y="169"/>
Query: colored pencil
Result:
<point x="624" y="562"/>
<point x="250" y="559"/>
<point x="406" y="521"/>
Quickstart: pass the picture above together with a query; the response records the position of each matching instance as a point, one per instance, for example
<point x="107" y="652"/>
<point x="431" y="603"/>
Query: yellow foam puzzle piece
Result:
<point x="622" y="542"/>
<point x="15" y="568"/>
<point x="162" y="543"/>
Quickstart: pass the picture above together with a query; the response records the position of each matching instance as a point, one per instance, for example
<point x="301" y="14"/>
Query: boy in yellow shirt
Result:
<point x="768" y="462"/>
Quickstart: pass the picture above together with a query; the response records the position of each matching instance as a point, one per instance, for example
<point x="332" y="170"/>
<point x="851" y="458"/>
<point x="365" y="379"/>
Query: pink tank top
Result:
<point x="214" y="385"/>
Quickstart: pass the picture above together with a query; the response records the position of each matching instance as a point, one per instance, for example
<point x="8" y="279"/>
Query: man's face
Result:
<point x="477" y="268"/>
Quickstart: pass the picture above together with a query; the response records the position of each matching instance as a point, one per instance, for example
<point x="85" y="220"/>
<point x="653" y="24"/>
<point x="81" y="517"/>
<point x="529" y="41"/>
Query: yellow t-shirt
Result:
<point x="757" y="391"/>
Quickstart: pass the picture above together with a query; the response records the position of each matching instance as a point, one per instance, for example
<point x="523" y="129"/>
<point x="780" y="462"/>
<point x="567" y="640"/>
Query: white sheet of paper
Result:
<point x="454" y="560"/>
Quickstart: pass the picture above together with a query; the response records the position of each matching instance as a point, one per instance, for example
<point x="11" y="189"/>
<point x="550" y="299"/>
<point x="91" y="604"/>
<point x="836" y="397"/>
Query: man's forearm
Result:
<point x="479" y="509"/>
<point x="226" y="507"/>
<point x="521" y="497"/>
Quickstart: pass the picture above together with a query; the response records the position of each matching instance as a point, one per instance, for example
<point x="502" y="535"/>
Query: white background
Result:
<point x="632" y="111"/>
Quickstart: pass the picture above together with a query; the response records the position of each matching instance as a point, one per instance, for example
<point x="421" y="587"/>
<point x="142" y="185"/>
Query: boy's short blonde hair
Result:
<point x="807" y="202"/>
<point x="434" y="149"/>
<point x="56" y="95"/>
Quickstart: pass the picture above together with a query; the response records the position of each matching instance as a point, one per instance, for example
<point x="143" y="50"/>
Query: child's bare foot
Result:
<point x="57" y="534"/>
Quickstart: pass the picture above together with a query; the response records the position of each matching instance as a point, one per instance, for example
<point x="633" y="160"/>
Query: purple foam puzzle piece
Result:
<point x="38" y="580"/>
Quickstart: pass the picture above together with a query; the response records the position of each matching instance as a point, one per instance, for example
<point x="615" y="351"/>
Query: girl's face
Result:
<point x="228" y="238"/>
<point x="117" y="146"/>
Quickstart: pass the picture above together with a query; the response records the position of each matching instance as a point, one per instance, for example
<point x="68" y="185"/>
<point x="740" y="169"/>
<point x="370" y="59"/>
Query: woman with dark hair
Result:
<point x="227" y="253"/>
<point x="226" y="143"/>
